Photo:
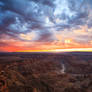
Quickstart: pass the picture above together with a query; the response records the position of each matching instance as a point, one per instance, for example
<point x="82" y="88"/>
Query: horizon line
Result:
<point x="56" y="50"/>
<point x="61" y="50"/>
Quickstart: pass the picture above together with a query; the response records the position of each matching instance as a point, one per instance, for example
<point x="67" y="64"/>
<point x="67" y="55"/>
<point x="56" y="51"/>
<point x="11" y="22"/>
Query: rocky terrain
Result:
<point x="46" y="72"/>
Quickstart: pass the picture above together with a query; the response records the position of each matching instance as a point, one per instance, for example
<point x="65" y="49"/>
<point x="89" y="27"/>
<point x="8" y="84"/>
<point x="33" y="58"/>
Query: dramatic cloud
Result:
<point x="56" y="22"/>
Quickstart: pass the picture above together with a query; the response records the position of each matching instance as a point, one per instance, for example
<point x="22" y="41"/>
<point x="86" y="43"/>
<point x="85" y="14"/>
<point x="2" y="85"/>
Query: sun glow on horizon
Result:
<point x="74" y="49"/>
<point x="61" y="50"/>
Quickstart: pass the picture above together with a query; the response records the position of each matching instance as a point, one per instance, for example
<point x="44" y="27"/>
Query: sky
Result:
<point x="45" y="25"/>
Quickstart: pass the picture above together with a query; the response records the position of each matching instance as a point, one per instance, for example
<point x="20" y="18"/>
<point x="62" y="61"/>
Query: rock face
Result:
<point x="45" y="73"/>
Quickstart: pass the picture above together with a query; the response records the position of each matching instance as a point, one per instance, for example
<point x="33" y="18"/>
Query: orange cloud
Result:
<point x="66" y="43"/>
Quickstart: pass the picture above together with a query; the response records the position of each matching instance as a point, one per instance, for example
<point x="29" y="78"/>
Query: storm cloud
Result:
<point x="42" y="17"/>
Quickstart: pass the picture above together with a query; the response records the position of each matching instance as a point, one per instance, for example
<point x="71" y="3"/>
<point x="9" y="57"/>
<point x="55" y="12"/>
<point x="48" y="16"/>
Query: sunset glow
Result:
<point x="62" y="50"/>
